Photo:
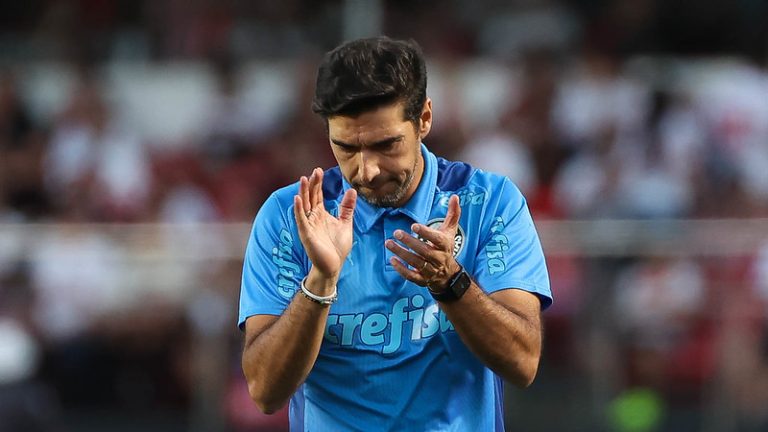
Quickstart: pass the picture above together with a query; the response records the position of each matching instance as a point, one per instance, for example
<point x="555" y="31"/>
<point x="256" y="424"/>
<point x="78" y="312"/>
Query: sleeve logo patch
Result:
<point x="288" y="271"/>
<point x="498" y="244"/>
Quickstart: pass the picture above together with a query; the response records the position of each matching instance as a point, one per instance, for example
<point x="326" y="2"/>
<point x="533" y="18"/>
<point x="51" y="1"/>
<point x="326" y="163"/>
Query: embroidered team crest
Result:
<point x="458" y="240"/>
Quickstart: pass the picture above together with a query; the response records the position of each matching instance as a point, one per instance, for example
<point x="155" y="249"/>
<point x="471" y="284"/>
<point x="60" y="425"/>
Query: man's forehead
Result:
<point x="365" y="135"/>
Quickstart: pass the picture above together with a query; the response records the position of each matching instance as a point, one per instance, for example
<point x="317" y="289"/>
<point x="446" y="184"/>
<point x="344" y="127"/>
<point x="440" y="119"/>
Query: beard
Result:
<point x="391" y="199"/>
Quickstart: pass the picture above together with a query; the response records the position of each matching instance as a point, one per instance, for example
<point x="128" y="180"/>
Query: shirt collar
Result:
<point x="417" y="208"/>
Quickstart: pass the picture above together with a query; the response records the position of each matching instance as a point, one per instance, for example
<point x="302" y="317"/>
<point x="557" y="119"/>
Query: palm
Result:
<point x="326" y="239"/>
<point x="327" y="242"/>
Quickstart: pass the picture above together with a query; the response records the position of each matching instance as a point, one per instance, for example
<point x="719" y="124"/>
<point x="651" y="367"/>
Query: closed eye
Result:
<point x="387" y="144"/>
<point x="348" y="148"/>
<point x="382" y="146"/>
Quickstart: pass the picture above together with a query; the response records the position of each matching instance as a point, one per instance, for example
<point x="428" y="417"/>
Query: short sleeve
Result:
<point x="510" y="254"/>
<point x="274" y="263"/>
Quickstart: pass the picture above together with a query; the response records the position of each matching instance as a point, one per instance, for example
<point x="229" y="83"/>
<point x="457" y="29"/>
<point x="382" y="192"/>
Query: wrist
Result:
<point x="320" y="284"/>
<point x="442" y="285"/>
<point x="454" y="290"/>
<point x="321" y="300"/>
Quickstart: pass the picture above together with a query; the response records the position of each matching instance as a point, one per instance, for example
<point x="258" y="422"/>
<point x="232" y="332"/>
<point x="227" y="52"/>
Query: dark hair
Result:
<point x="365" y="74"/>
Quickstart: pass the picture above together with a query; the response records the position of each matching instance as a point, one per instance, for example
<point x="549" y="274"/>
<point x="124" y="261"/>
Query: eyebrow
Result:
<point x="381" y="143"/>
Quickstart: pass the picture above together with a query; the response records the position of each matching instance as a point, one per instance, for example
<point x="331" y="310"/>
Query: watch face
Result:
<point x="462" y="283"/>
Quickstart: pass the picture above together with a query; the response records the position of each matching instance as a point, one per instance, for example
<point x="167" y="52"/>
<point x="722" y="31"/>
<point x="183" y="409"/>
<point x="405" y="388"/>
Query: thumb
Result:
<point x="453" y="214"/>
<point x="347" y="207"/>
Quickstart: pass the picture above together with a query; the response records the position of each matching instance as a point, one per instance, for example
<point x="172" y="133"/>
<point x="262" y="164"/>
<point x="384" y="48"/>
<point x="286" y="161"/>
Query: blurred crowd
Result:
<point x="193" y="112"/>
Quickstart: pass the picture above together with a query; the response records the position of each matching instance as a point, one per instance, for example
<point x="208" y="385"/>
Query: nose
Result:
<point x="369" y="166"/>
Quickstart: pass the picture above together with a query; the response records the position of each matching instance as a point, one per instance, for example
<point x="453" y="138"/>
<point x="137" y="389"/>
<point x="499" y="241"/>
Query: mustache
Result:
<point x="371" y="185"/>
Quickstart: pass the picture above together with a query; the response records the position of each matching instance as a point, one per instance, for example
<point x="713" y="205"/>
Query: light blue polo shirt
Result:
<point x="390" y="360"/>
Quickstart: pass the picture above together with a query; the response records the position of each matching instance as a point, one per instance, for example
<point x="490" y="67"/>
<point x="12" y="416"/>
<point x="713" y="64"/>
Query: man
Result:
<point x="404" y="308"/>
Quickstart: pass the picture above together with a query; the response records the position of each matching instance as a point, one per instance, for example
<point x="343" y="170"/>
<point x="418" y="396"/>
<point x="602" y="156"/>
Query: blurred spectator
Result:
<point x="598" y="114"/>
<point x="648" y="186"/>
<point x="733" y="100"/>
<point x="235" y="126"/>
<point x="594" y="97"/>
<point x="666" y="341"/>
<point x="504" y="155"/>
<point x="77" y="279"/>
<point x="657" y="300"/>
<point x="92" y="157"/>
<point x="182" y="190"/>
<point x="585" y="185"/>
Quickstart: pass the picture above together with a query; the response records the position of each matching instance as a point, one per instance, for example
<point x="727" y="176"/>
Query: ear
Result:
<point x="425" y="120"/>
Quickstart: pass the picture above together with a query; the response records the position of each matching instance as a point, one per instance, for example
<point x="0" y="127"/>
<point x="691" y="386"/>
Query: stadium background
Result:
<point x="138" y="139"/>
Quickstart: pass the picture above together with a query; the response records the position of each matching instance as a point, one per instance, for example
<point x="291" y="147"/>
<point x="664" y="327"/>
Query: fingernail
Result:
<point x="389" y="244"/>
<point x="415" y="227"/>
<point x="398" y="234"/>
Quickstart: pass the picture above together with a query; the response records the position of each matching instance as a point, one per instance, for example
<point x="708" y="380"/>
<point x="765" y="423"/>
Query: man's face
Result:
<point x="379" y="152"/>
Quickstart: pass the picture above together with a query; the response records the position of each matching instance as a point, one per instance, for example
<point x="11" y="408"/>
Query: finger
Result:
<point x="452" y="217"/>
<point x="419" y="247"/>
<point x="304" y="192"/>
<point x="317" y="189"/>
<point x="347" y="207"/>
<point x="407" y="273"/>
<point x="405" y="255"/>
<point x="299" y="214"/>
<point x="436" y="237"/>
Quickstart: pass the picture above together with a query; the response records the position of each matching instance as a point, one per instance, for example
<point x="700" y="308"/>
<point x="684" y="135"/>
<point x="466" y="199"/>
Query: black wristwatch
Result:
<point x="457" y="286"/>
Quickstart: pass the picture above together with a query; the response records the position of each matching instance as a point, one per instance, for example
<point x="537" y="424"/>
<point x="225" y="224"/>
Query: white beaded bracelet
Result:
<point x="323" y="300"/>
